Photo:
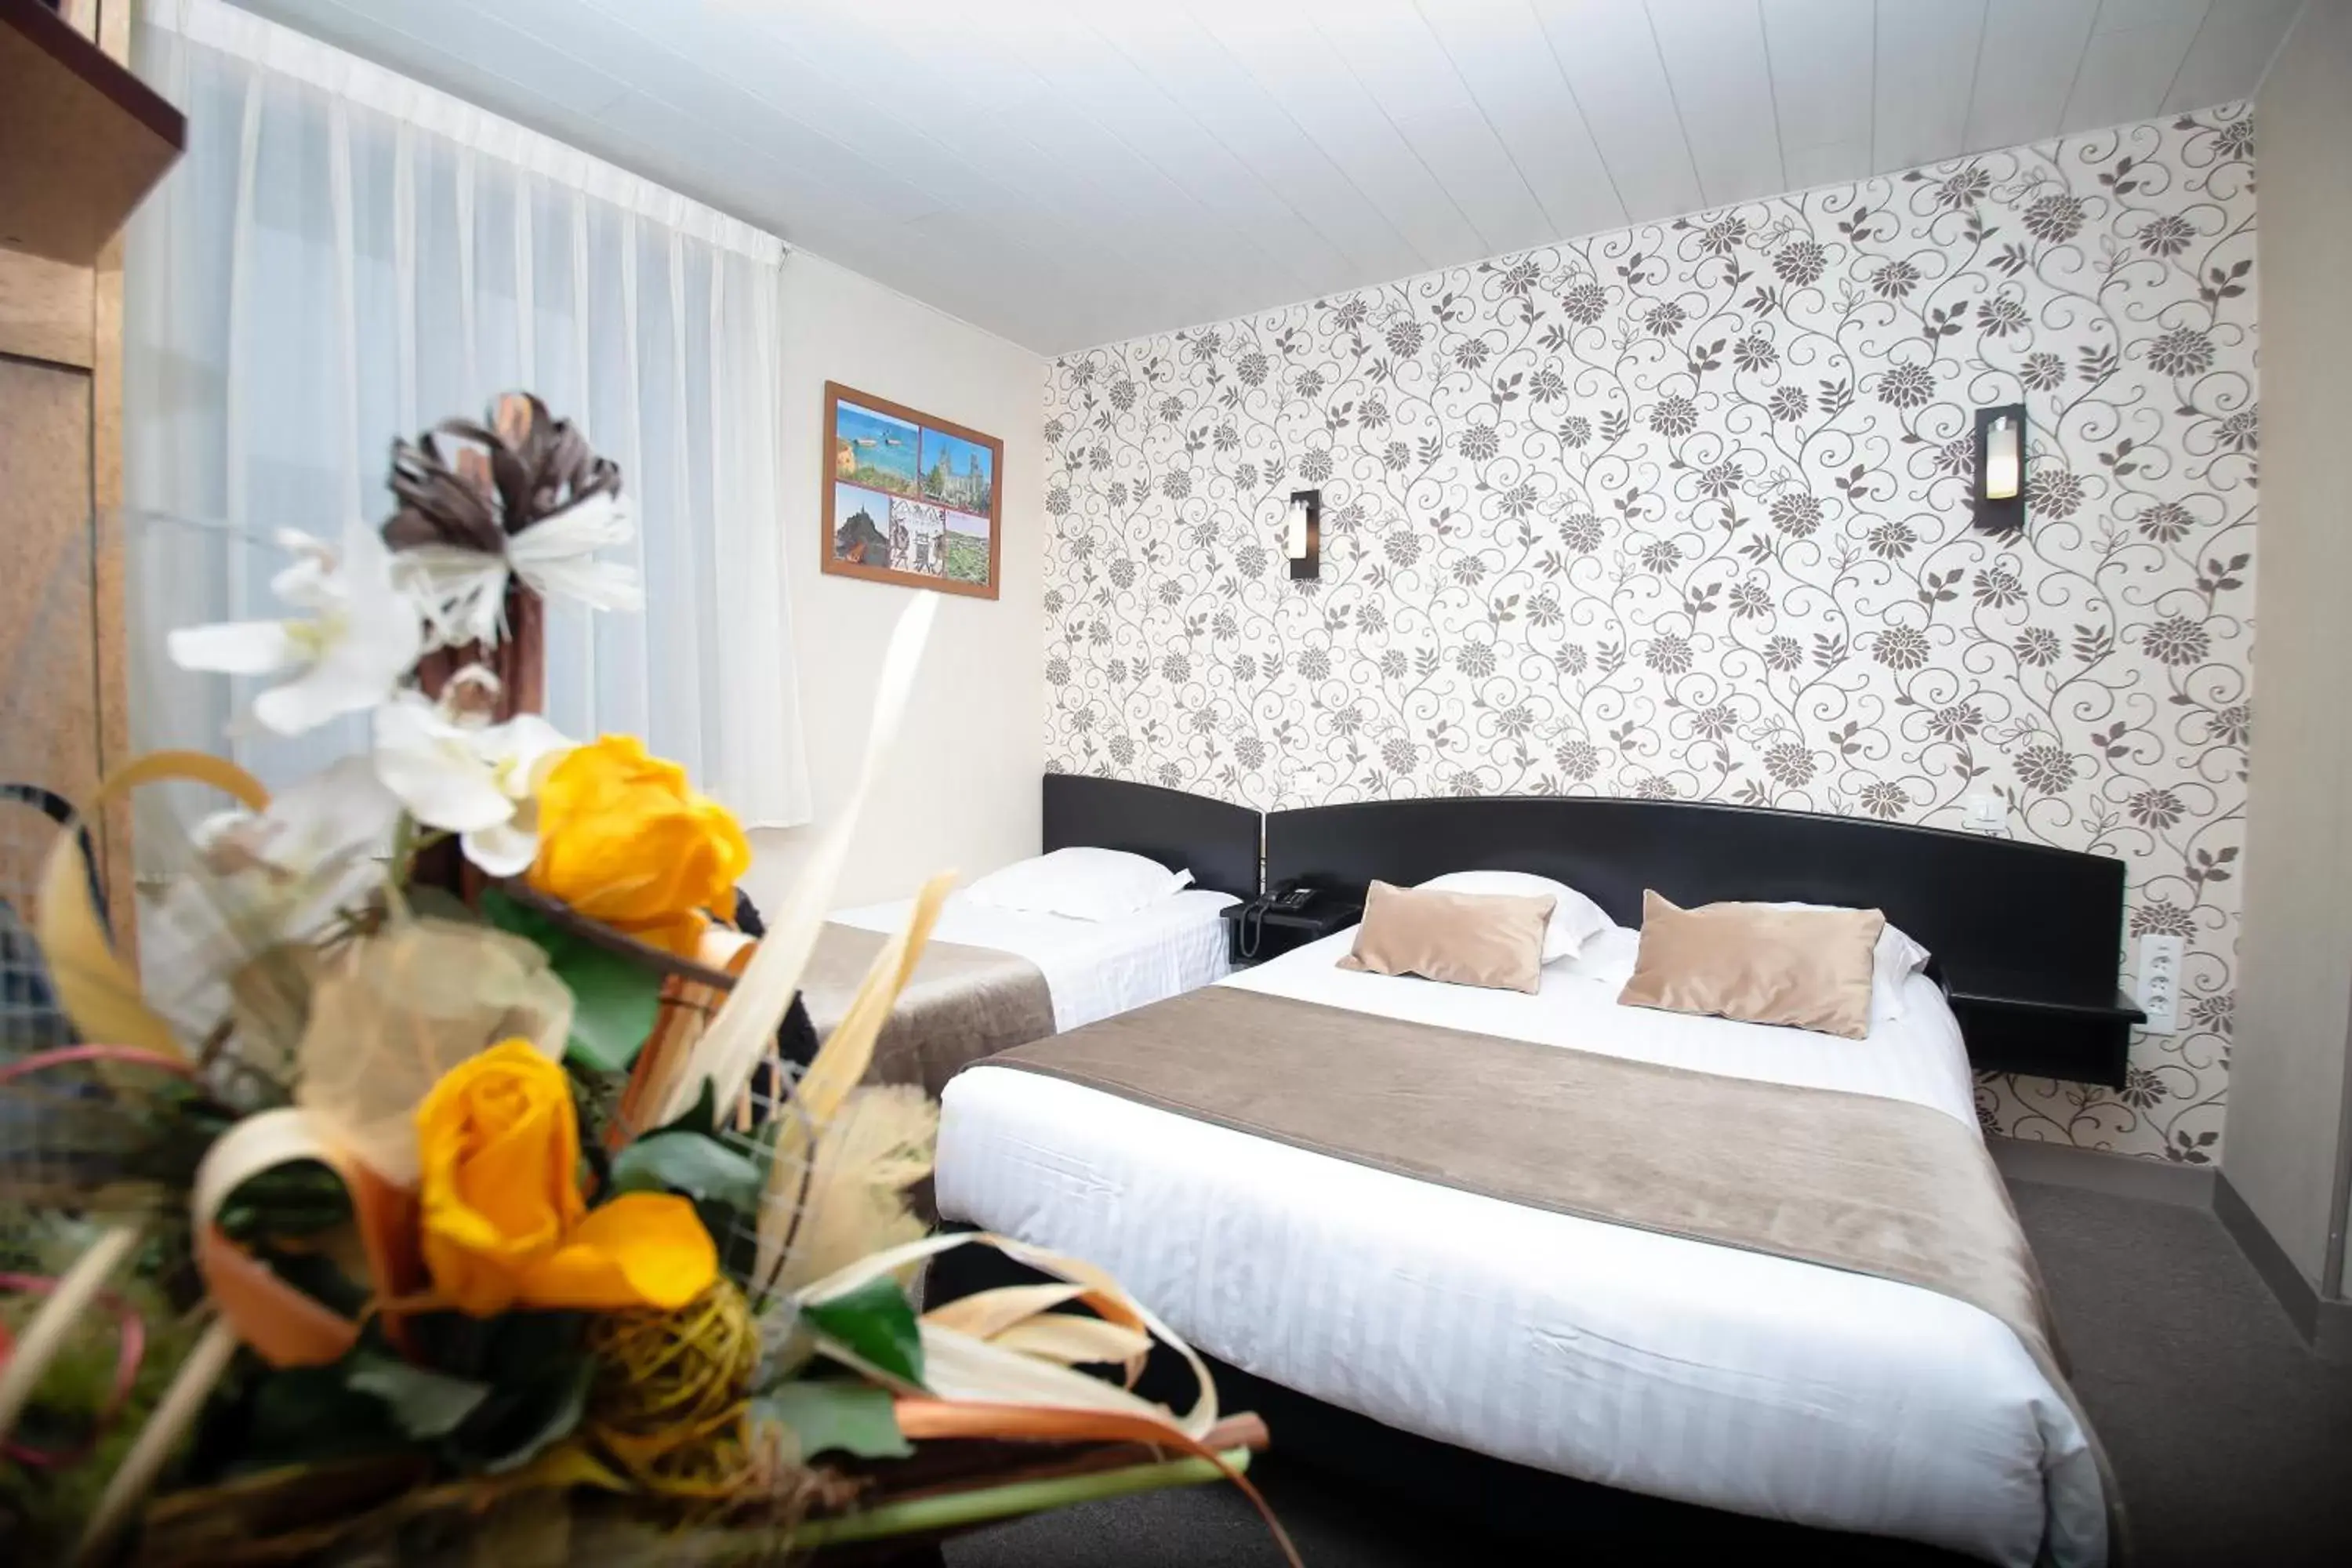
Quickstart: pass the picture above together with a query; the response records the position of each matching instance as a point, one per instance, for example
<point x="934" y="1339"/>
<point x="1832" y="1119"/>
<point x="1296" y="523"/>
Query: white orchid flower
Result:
<point x="464" y="592"/>
<point x="361" y="636"/>
<point x="260" y="880"/>
<point x="455" y="771"/>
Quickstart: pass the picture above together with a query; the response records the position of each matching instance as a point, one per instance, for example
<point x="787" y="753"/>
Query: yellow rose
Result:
<point x="623" y="839"/>
<point x="503" y="1222"/>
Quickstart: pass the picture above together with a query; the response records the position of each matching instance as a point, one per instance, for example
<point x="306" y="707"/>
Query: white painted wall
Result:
<point x="2287" y="1071"/>
<point x="962" y="793"/>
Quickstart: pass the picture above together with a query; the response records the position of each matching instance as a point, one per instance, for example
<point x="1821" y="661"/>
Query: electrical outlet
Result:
<point x="2159" y="983"/>
<point x="1986" y="814"/>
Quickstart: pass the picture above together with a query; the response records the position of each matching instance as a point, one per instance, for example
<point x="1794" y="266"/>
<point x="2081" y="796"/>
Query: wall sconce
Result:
<point x="1999" y="497"/>
<point x="1302" y="533"/>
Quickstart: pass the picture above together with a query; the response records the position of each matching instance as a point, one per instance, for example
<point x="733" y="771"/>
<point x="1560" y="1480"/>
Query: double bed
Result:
<point x="1724" y="1376"/>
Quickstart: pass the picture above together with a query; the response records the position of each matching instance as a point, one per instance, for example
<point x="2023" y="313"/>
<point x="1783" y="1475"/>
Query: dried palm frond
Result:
<point x="962" y="1367"/>
<point x="1072" y="1340"/>
<point x="826" y="1088"/>
<point x="115" y="1127"/>
<point x="498" y="478"/>
<point x="543" y="464"/>
<point x="730" y="1051"/>
<point x="102" y="996"/>
<point x="514" y="510"/>
<point x="1018" y="1382"/>
<point x="444" y="500"/>
<point x="875" y="1149"/>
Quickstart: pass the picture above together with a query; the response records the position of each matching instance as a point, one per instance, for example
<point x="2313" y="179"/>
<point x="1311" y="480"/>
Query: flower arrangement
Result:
<point x="435" y="1183"/>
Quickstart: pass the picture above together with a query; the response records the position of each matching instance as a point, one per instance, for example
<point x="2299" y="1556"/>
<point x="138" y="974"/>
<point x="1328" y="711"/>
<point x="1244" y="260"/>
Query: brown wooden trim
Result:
<point x="598" y="934"/>
<point x="84" y="140"/>
<point x="48" y="632"/>
<point x="835" y="394"/>
<point x="109" y="584"/>
<point x="56" y="37"/>
<point x="44" y="309"/>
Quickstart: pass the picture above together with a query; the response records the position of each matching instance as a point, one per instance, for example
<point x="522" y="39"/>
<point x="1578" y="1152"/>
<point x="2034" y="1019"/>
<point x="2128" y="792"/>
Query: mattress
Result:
<point x="1093" y="968"/>
<point x="1732" y="1379"/>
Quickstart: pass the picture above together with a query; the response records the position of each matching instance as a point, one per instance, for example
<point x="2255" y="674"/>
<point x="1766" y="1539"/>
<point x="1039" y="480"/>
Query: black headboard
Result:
<point x="1216" y="841"/>
<point x="2050" y="919"/>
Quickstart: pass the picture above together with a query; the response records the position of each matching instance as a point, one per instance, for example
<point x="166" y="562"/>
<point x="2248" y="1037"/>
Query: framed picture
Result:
<point x="909" y="498"/>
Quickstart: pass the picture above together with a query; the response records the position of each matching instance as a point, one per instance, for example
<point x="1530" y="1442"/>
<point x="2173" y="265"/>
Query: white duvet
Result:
<point x="1664" y="1366"/>
<point x="1093" y="968"/>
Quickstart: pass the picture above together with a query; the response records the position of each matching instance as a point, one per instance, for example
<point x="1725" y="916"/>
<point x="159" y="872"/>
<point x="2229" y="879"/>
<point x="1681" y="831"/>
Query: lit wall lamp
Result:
<point x="1302" y="533"/>
<point x="2001" y="467"/>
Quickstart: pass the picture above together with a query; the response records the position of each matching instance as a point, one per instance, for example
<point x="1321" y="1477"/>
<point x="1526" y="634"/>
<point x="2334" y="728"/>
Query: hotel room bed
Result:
<point x="991" y="978"/>
<point x="1711" y="1374"/>
<point x="1718" y="1376"/>
<point x="995" y="978"/>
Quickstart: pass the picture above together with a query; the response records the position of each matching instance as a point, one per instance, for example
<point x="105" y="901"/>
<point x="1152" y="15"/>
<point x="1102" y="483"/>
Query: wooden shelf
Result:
<point x="2023" y="1024"/>
<point x="85" y="138"/>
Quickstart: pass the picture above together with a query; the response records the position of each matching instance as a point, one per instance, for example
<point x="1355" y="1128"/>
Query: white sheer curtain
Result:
<point x="345" y="256"/>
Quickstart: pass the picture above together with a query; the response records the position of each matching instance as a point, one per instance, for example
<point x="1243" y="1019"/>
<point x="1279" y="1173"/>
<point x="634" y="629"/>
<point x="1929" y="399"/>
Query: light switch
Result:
<point x="1986" y="814"/>
<point x="2159" y="983"/>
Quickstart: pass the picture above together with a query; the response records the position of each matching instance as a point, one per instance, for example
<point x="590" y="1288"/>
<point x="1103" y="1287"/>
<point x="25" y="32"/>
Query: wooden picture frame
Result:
<point x="914" y="491"/>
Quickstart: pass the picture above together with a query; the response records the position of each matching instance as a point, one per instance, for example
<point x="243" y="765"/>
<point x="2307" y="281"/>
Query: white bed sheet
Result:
<point x="1716" y="1375"/>
<point x="1093" y="968"/>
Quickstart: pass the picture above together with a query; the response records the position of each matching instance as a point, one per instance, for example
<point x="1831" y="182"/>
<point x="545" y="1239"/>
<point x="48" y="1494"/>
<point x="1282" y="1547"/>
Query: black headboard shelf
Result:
<point x="1215" y="839"/>
<point x="2022" y="932"/>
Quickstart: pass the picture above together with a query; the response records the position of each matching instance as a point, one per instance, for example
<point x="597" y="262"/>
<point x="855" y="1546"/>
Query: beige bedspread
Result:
<point x="961" y="1004"/>
<point x="1855" y="1182"/>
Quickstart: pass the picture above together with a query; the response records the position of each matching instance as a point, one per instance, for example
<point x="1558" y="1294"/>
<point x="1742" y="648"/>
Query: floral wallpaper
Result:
<point x="1681" y="511"/>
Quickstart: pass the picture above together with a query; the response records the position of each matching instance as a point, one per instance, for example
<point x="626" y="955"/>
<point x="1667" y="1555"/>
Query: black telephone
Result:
<point x="1251" y="932"/>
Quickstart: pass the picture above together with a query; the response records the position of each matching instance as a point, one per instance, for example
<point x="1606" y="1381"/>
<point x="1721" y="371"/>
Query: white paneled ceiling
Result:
<point x="1071" y="171"/>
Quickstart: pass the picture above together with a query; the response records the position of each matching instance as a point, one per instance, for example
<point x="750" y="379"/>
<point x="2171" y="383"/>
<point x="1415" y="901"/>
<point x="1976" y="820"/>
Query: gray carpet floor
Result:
<point x="2232" y="1443"/>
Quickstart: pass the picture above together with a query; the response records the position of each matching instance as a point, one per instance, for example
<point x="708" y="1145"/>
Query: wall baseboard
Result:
<point x="2325" y="1324"/>
<point x="2095" y="1170"/>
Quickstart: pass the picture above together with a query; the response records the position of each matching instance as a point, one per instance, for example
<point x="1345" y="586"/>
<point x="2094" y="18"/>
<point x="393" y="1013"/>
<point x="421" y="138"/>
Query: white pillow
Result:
<point x="1893" y="961"/>
<point x="1575" y="918"/>
<point x="1080" y="884"/>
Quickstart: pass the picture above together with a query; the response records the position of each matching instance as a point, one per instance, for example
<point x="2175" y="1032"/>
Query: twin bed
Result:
<point x="1748" y="1267"/>
<point x="993" y="978"/>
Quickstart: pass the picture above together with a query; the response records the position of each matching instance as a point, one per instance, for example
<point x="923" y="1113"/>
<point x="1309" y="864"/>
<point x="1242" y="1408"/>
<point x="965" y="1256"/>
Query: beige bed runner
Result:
<point x="1855" y="1182"/>
<point x="961" y="1004"/>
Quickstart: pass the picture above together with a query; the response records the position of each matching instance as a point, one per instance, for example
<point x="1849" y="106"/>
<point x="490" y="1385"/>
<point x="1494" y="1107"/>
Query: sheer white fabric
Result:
<point x="345" y="256"/>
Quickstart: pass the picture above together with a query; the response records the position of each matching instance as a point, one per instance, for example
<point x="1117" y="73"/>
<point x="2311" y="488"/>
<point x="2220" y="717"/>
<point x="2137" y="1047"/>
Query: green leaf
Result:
<point x="510" y="916"/>
<point x="539" y="1374"/>
<point x="615" y="1004"/>
<point x="704" y="1169"/>
<point x="315" y="1276"/>
<point x="700" y="1118"/>
<point x="515" y="1424"/>
<point x="829" y="1414"/>
<point x="425" y="1404"/>
<point x="309" y="1414"/>
<point x="615" y="1001"/>
<point x="300" y="1197"/>
<point x="874" y="1323"/>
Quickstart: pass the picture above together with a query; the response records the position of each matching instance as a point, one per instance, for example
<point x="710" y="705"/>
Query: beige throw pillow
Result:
<point x="1809" y="969"/>
<point x="1463" y="939"/>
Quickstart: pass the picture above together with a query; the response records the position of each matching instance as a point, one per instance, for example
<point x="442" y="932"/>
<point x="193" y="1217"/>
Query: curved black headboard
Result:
<point x="1215" y="839"/>
<point x="1994" y="905"/>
